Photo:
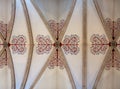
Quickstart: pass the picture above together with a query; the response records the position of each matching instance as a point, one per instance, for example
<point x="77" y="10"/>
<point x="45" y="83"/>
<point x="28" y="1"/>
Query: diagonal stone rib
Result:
<point x="67" y="68"/>
<point x="67" y="20"/>
<point x="43" y="18"/>
<point x="43" y="69"/>
<point x="1" y="52"/>
<point x="107" y="23"/>
<point x="3" y="59"/>
<point x="60" y="62"/>
<point x="3" y="29"/>
<point x="2" y="38"/>
<point x="11" y="66"/>
<point x="106" y="59"/>
<point x="12" y="20"/>
<point x="108" y="33"/>
<point x="46" y="22"/>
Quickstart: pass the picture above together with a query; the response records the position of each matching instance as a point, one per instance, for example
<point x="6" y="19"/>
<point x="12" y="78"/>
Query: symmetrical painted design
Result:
<point x="56" y="61"/>
<point x="70" y="44"/>
<point x="57" y="30"/>
<point x="3" y="44"/>
<point x="6" y="27"/>
<point x="56" y="27"/>
<point x="112" y="30"/>
<point x="5" y="54"/>
<point x="112" y="27"/>
<point x="3" y="29"/>
<point x="113" y="62"/>
<point x="44" y="44"/>
<point x="100" y="43"/>
<point x="19" y="44"/>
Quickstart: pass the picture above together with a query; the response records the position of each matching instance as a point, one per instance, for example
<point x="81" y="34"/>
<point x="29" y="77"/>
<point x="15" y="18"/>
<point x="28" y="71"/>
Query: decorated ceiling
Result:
<point x="59" y="44"/>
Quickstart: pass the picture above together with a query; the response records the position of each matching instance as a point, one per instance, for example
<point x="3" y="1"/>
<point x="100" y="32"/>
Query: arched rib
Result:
<point x="67" y="20"/>
<point x="9" y="29"/>
<point x="30" y="54"/>
<point x="43" y="69"/>
<point x="46" y="22"/>
<point x="107" y="57"/>
<point x="67" y="69"/>
<point x="108" y="33"/>
<point x="2" y="38"/>
<point x="11" y="23"/>
<point x="1" y="52"/>
<point x="43" y="19"/>
<point x="11" y="66"/>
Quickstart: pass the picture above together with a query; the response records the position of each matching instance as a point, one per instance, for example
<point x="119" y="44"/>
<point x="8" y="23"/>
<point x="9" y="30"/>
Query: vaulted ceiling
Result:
<point x="59" y="44"/>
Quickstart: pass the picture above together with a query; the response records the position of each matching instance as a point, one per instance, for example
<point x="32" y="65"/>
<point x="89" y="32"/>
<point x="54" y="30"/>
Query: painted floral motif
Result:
<point x="112" y="25"/>
<point x="44" y="44"/>
<point x="56" y="62"/>
<point x="18" y="44"/>
<point x="70" y="44"/>
<point x="99" y="44"/>
<point x="114" y="62"/>
<point x="55" y="27"/>
<point x="3" y="29"/>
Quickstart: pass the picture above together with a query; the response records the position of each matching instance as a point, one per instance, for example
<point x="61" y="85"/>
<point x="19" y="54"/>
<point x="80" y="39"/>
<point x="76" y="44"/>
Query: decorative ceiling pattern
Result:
<point x="69" y="45"/>
<point x="18" y="44"/>
<point x="6" y="61"/>
<point x="100" y="44"/>
<point x="44" y="44"/>
<point x="57" y="29"/>
<point x="57" y="44"/>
